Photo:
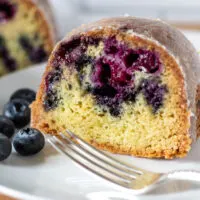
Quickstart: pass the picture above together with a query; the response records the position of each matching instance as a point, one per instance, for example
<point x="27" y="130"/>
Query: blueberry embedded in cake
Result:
<point x="122" y="89"/>
<point x="26" y="35"/>
<point x="7" y="11"/>
<point x="109" y="77"/>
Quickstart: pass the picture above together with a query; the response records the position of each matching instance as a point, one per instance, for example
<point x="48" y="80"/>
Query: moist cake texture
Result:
<point x="120" y="86"/>
<point x="26" y="35"/>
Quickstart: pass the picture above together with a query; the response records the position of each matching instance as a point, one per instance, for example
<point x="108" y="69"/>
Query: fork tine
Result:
<point x="104" y="155"/>
<point x="90" y="160"/>
<point x="97" y="160"/>
<point x="60" y="148"/>
<point x="125" y="173"/>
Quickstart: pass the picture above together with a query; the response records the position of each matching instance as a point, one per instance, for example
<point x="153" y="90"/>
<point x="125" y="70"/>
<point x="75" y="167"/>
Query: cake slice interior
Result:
<point x="26" y="38"/>
<point x="118" y="91"/>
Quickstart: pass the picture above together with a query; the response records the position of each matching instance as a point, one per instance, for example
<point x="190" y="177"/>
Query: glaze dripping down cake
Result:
<point x="125" y="85"/>
<point x="26" y="34"/>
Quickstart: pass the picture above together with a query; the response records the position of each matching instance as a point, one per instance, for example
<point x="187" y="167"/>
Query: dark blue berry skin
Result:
<point x="5" y="147"/>
<point x="24" y="93"/>
<point x="35" y="54"/>
<point x="28" y="141"/>
<point x="2" y="42"/>
<point x="154" y="93"/>
<point x="38" y="55"/>
<point x="51" y="99"/>
<point x="10" y="63"/>
<point x="7" y="127"/>
<point x="25" y="43"/>
<point x="7" y="11"/>
<point x="18" y="111"/>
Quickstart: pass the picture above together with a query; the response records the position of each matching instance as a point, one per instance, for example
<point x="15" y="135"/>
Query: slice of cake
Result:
<point x="26" y="35"/>
<point x="125" y="85"/>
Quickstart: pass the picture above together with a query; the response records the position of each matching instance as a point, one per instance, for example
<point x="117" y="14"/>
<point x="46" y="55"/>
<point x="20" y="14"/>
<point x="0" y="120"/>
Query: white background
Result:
<point x="71" y="13"/>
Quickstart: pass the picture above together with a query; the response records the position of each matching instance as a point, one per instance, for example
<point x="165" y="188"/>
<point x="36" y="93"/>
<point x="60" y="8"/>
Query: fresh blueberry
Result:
<point x="18" y="111"/>
<point x="5" y="147"/>
<point x="7" y="127"/>
<point x="28" y="141"/>
<point x="24" y="93"/>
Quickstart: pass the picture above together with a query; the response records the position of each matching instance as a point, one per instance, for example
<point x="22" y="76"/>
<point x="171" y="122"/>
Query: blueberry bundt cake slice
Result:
<point x="125" y="85"/>
<point x="26" y="34"/>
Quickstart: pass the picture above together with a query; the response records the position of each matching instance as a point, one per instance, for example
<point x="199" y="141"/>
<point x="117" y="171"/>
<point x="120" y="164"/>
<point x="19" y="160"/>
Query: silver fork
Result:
<point x="117" y="172"/>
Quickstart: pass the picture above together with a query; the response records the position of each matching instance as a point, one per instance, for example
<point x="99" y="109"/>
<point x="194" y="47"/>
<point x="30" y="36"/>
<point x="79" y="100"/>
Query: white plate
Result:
<point x="50" y="175"/>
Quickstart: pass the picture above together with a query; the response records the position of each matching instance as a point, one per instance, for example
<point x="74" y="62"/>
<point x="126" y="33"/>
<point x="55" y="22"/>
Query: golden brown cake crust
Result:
<point x="46" y="25"/>
<point x="29" y="23"/>
<point x="198" y="110"/>
<point x="148" y="29"/>
<point x="47" y="11"/>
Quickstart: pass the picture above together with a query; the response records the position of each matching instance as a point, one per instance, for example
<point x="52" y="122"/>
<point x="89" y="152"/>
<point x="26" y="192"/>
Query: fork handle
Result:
<point x="192" y="175"/>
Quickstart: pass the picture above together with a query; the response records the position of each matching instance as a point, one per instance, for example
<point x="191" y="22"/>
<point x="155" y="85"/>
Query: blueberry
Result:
<point x="111" y="46"/>
<point x="7" y="127"/>
<point x="5" y="147"/>
<point x="71" y="44"/>
<point x="35" y="54"/>
<point x="10" y="63"/>
<point x="7" y="11"/>
<point x="3" y="50"/>
<point x="105" y="91"/>
<point x="154" y="93"/>
<point x="24" y="93"/>
<point x="2" y="41"/>
<point x="130" y="58"/>
<point x="38" y="55"/>
<point x="25" y="43"/>
<point x="115" y="111"/>
<point x="53" y="77"/>
<point x="18" y="111"/>
<point x="28" y="141"/>
<point x="69" y="51"/>
<point x="51" y="100"/>
<point x="82" y="61"/>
